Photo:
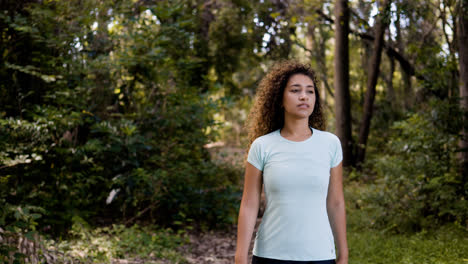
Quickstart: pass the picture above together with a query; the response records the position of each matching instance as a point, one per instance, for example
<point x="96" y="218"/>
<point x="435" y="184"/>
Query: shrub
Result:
<point x="149" y="166"/>
<point x="418" y="182"/>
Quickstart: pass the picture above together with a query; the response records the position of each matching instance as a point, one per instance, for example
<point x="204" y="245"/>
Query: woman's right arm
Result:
<point x="248" y="212"/>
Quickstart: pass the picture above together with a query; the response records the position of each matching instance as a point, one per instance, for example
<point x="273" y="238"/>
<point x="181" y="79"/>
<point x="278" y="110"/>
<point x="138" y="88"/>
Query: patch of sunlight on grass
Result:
<point x="110" y="244"/>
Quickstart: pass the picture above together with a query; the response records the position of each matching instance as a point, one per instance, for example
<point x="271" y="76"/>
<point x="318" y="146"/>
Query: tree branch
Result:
<point x="404" y="63"/>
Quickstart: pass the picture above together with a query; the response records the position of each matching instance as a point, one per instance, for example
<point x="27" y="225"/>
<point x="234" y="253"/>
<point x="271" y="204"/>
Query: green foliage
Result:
<point x="18" y="222"/>
<point x="418" y="184"/>
<point x="157" y="163"/>
<point x="57" y="177"/>
<point x="106" y="244"/>
<point x="99" y="245"/>
<point x="446" y="246"/>
<point x="112" y="117"/>
<point x="105" y="108"/>
<point x="370" y="242"/>
<point x="148" y="241"/>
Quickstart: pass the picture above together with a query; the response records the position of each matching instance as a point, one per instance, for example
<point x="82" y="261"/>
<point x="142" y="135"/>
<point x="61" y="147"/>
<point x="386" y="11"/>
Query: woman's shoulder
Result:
<point x="267" y="138"/>
<point x="326" y="135"/>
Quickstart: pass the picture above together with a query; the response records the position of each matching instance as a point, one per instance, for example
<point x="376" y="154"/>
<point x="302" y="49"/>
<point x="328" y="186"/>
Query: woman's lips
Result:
<point x="303" y="105"/>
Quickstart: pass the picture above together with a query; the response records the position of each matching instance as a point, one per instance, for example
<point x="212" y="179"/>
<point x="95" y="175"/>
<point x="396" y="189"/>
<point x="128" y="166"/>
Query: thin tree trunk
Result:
<point x="321" y="61"/>
<point x="341" y="81"/>
<point x="406" y="73"/>
<point x="314" y="43"/>
<point x="463" y="58"/>
<point x="374" y="68"/>
<point x="451" y="42"/>
<point x="389" y="81"/>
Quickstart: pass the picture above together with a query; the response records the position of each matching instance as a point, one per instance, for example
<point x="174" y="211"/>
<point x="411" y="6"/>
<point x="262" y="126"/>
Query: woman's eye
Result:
<point x="311" y="91"/>
<point x="294" y="90"/>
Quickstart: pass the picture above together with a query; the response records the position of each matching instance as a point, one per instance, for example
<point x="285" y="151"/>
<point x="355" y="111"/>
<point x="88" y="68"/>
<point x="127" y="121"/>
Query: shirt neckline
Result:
<point x="314" y="131"/>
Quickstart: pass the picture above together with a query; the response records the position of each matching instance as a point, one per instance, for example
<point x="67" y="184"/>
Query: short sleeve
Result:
<point x="338" y="152"/>
<point x="256" y="155"/>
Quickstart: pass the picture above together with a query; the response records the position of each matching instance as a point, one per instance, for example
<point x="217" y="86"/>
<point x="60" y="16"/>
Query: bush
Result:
<point x="72" y="163"/>
<point x="418" y="182"/>
<point x="109" y="124"/>
<point x="105" y="245"/>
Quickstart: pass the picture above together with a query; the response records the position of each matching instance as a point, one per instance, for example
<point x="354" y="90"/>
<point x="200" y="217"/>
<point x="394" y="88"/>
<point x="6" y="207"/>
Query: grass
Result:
<point x="370" y="244"/>
<point x="436" y="247"/>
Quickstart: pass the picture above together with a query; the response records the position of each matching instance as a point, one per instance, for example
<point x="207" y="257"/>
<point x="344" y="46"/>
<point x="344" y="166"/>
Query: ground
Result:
<point x="213" y="247"/>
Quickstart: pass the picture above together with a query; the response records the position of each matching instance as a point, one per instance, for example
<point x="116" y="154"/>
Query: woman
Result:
<point x="300" y="168"/>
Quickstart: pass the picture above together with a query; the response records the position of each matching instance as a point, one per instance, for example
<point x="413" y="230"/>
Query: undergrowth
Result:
<point x="105" y="244"/>
<point x="135" y="244"/>
<point x="369" y="242"/>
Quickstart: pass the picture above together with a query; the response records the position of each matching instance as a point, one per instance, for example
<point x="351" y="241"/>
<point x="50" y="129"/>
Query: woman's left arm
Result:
<point x="337" y="213"/>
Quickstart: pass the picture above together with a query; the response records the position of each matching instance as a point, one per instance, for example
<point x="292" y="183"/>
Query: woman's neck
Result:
<point x="296" y="129"/>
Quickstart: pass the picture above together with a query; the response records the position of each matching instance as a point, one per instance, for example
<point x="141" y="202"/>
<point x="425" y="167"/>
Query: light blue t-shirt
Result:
<point x="295" y="224"/>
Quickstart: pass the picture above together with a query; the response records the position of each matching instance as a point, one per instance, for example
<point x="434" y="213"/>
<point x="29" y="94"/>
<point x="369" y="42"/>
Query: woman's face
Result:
<point x="299" y="97"/>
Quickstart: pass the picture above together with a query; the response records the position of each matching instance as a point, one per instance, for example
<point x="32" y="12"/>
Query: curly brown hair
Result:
<point x="267" y="113"/>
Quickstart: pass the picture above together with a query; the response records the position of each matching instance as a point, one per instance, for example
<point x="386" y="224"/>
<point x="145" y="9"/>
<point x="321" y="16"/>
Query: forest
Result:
<point x="123" y="137"/>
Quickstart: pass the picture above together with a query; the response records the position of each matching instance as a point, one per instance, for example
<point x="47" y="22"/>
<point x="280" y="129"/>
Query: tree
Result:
<point x="374" y="68"/>
<point x="463" y="58"/>
<point x="341" y="81"/>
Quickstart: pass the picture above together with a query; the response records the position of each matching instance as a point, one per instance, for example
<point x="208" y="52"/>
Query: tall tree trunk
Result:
<point x="389" y="81"/>
<point x="341" y="81"/>
<point x="388" y="77"/>
<point x="463" y="58"/>
<point x="321" y="44"/>
<point x="374" y="68"/>
<point x="201" y="47"/>
<point x="405" y="72"/>
<point x="314" y="48"/>
<point x="452" y="82"/>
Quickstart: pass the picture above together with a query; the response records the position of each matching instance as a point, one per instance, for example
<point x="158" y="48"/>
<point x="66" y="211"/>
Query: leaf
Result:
<point x="30" y="235"/>
<point x="275" y="15"/>
<point x="35" y="216"/>
<point x="294" y="19"/>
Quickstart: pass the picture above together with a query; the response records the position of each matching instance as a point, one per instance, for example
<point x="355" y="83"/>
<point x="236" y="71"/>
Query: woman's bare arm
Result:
<point x="248" y="212"/>
<point x="337" y="213"/>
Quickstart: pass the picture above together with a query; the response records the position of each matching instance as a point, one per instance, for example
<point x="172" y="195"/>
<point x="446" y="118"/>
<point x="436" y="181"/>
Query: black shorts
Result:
<point x="260" y="260"/>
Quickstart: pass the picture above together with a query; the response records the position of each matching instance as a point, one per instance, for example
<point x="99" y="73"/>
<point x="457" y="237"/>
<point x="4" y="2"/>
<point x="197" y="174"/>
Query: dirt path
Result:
<point x="213" y="247"/>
